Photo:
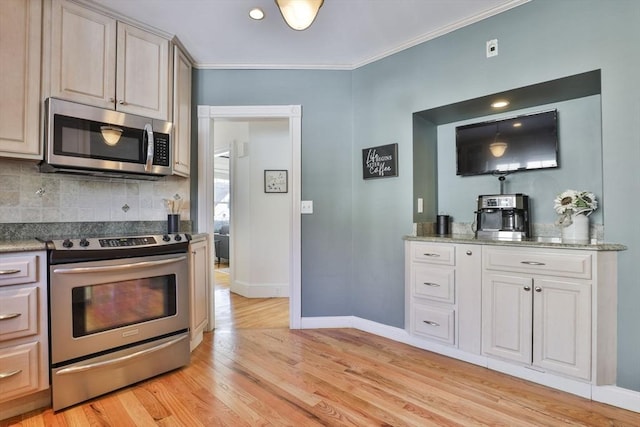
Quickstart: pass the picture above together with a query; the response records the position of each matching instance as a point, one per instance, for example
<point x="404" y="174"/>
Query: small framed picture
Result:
<point x="275" y="181"/>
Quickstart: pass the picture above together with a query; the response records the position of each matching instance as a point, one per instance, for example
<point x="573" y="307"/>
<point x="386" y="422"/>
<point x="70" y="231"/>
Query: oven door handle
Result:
<point x="96" y="365"/>
<point x="111" y="268"/>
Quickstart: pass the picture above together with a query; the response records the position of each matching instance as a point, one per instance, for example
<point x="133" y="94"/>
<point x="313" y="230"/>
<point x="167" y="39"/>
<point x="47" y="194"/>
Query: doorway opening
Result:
<point x="253" y="273"/>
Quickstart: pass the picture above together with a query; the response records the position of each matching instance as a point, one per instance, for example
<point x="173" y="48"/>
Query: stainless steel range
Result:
<point x="119" y="312"/>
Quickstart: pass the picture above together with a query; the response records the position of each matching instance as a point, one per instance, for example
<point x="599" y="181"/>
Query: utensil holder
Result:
<point x="173" y="223"/>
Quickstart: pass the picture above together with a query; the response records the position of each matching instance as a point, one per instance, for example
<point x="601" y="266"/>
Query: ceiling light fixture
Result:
<point x="256" y="13"/>
<point x="110" y="134"/>
<point x="299" y="14"/>
<point x="500" y="104"/>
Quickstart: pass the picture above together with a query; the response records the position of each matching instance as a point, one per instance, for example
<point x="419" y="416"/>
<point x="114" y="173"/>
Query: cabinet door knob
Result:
<point x="538" y="289"/>
<point x="469" y="253"/>
<point x="430" y="323"/>
<point x="527" y="288"/>
<point x="121" y="102"/>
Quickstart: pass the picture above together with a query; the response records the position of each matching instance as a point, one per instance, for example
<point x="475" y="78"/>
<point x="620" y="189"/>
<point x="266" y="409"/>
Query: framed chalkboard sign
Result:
<point x="380" y="162"/>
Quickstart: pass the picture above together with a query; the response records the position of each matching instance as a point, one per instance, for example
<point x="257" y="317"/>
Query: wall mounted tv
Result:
<point x="503" y="146"/>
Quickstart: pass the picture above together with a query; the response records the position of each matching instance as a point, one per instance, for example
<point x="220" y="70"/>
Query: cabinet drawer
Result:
<point x="18" y="269"/>
<point x="435" y="283"/>
<point x="433" y="322"/>
<point x="433" y="253"/>
<point x="18" y="312"/>
<point x="539" y="262"/>
<point x="18" y="370"/>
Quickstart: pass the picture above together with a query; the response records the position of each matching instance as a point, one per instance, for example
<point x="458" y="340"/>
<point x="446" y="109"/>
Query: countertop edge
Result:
<point x="8" y="246"/>
<point x="470" y="239"/>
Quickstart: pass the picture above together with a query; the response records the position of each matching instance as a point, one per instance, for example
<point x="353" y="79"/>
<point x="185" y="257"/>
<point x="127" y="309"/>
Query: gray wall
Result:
<point x="325" y="97"/>
<point x="352" y="260"/>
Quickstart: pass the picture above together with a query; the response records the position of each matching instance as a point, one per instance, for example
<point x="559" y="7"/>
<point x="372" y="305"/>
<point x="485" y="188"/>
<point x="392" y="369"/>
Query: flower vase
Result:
<point x="578" y="231"/>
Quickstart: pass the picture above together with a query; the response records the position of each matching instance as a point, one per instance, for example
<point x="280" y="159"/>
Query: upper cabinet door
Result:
<point x="83" y="55"/>
<point x="20" y="50"/>
<point x="142" y="73"/>
<point x="181" y="113"/>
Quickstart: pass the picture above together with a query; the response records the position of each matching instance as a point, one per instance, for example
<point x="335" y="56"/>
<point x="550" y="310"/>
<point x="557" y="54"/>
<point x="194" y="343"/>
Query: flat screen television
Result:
<point x="503" y="146"/>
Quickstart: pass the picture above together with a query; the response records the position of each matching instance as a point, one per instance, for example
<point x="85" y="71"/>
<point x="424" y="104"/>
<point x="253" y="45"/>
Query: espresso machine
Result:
<point x="503" y="217"/>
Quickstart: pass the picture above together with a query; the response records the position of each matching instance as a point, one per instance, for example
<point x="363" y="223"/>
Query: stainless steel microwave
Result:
<point x="96" y="141"/>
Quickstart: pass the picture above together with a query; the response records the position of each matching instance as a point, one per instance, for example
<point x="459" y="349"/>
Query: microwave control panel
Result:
<point x="161" y="149"/>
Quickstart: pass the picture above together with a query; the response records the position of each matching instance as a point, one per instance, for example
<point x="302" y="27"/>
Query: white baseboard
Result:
<point x="260" y="290"/>
<point x="611" y="395"/>
<point x="616" y="396"/>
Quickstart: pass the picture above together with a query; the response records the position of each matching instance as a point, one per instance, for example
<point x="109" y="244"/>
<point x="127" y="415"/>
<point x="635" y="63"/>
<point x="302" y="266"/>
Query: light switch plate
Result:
<point x="306" y="207"/>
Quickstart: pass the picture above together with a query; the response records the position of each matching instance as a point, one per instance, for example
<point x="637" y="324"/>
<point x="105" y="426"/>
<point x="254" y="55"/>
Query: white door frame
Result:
<point x="205" y="188"/>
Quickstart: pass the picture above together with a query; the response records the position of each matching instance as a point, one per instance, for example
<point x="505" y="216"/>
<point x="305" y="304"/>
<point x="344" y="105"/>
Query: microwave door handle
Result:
<point x="149" y="134"/>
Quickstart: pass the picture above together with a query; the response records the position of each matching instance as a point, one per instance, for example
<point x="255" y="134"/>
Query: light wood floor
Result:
<point x="332" y="377"/>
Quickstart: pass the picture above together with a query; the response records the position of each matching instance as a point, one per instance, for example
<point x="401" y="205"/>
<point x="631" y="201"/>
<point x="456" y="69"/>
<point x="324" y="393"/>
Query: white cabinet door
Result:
<point x="507" y="316"/>
<point x="142" y="73"/>
<point x="83" y="55"/>
<point x="469" y="297"/>
<point x="199" y="290"/>
<point x="20" y="59"/>
<point x="181" y="113"/>
<point x="562" y="327"/>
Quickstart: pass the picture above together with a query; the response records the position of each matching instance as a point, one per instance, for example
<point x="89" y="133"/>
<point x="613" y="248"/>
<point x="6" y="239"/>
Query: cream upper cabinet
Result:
<point x="181" y="113"/>
<point x="20" y="59"/>
<point x="100" y="61"/>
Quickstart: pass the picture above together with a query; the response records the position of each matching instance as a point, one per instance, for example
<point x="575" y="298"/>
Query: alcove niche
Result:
<point x="426" y="122"/>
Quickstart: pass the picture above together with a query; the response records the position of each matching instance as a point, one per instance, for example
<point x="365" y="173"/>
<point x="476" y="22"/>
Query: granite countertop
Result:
<point x="536" y="242"/>
<point x="7" y="246"/>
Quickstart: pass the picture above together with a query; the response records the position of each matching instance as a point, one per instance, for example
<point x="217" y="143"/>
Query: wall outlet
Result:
<point x="420" y="205"/>
<point x="492" y="48"/>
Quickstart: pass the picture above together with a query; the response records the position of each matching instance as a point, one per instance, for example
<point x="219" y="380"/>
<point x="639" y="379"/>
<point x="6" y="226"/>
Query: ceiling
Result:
<point x="345" y="35"/>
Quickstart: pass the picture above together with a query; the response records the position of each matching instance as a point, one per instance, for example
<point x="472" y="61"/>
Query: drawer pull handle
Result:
<point x="9" y="316"/>
<point x="9" y="374"/>
<point x="433" y="285"/>
<point x="432" y="255"/>
<point x="6" y="272"/>
<point x="430" y="323"/>
<point x="532" y="263"/>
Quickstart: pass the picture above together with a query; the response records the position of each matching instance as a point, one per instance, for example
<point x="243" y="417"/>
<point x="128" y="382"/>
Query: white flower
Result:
<point x="572" y="202"/>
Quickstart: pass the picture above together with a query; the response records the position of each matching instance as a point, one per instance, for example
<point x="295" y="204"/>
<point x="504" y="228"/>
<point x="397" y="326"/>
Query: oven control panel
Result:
<point x="127" y="241"/>
<point x="105" y="243"/>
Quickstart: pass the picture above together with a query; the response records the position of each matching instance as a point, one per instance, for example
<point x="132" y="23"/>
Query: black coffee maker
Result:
<point x="503" y="217"/>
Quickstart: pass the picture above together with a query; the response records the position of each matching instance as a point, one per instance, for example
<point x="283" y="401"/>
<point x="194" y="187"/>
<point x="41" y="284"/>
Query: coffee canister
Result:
<point x="442" y="224"/>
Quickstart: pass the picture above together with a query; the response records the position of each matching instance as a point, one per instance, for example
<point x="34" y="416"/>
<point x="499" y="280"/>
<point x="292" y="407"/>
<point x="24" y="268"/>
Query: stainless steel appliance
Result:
<point x="119" y="312"/>
<point x="503" y="217"/>
<point x="97" y="141"/>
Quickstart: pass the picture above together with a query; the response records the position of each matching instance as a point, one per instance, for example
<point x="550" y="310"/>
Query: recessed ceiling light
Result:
<point x="500" y="104"/>
<point x="256" y="13"/>
<point x="517" y="124"/>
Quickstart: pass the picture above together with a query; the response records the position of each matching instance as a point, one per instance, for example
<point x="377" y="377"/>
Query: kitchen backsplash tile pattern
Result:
<point x="28" y="196"/>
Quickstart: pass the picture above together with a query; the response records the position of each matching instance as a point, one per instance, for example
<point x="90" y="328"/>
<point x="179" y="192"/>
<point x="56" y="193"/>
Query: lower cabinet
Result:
<point x="24" y="342"/>
<point x="199" y="276"/>
<point x="442" y="294"/>
<point x="544" y="322"/>
<point x="541" y="313"/>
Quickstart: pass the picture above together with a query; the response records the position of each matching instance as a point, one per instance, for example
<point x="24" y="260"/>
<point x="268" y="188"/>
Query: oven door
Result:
<point x="102" y="306"/>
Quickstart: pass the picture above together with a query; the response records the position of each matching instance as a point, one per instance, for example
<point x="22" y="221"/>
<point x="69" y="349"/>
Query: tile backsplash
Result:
<point x="28" y="196"/>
